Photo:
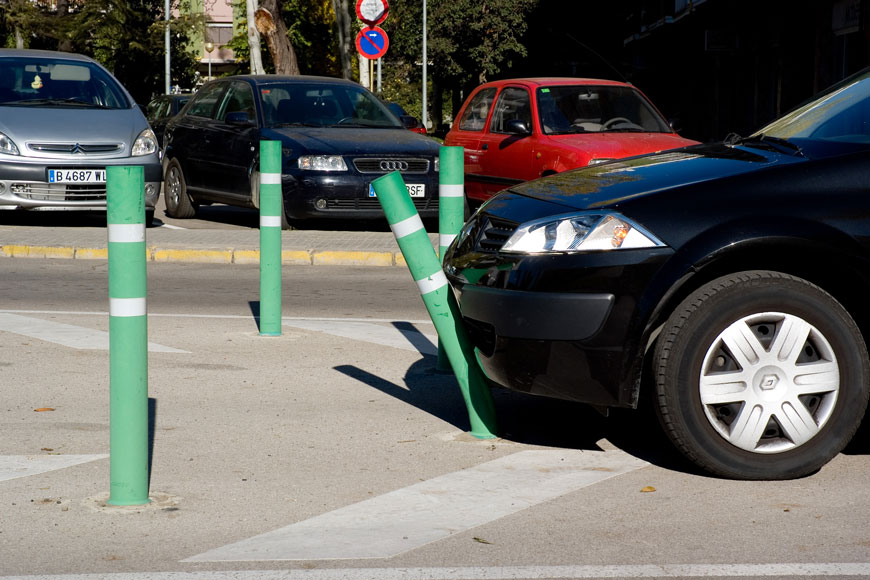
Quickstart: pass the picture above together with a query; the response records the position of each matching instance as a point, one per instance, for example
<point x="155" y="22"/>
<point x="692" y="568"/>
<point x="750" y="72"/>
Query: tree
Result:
<point x="343" y="21"/>
<point x="270" y="23"/>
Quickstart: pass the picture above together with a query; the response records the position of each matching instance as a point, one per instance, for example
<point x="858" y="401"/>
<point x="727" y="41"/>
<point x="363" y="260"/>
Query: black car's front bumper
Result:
<point x="346" y="195"/>
<point x="567" y="326"/>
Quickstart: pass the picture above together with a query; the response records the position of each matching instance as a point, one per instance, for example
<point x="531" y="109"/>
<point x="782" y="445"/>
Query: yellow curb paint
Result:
<point x="400" y="259"/>
<point x="296" y="257"/>
<point x="205" y="256"/>
<point x="92" y="253"/>
<point x="352" y="258"/>
<point x="246" y="257"/>
<point x="39" y="252"/>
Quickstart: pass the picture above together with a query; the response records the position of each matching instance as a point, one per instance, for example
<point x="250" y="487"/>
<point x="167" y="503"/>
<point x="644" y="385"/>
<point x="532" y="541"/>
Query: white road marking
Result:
<point x="625" y="572"/>
<point x="65" y="334"/>
<point x="14" y="466"/>
<point x="216" y="316"/>
<point x="405" y="339"/>
<point x="408" y="518"/>
<point x="170" y="227"/>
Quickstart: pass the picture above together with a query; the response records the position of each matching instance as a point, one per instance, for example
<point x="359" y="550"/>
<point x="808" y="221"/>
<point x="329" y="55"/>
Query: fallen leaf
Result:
<point x="648" y="489"/>
<point x="481" y="540"/>
<point x="43" y="409"/>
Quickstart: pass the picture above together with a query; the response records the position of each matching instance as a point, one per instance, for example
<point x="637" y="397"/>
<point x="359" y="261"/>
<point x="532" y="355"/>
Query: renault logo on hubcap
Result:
<point x="768" y="382"/>
<point x="393" y="165"/>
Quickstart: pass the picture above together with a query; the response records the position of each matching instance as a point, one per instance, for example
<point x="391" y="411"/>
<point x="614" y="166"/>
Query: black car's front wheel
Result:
<point x="178" y="203"/>
<point x="761" y="375"/>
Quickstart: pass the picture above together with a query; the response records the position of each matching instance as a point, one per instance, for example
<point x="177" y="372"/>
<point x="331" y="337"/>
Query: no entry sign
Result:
<point x="372" y="43"/>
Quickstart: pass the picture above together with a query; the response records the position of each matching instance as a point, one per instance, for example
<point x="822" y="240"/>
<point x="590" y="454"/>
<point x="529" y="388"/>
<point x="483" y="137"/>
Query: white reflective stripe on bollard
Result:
<point x="444" y="240"/>
<point x="270" y="178"/>
<point x="451" y="190"/>
<point x="434" y="282"/>
<point x="126" y="233"/>
<point x="270" y="221"/>
<point x="127" y="307"/>
<point x="407" y="226"/>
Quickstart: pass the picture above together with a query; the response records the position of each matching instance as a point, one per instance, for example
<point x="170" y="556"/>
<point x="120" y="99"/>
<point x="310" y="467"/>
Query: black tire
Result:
<point x="178" y="202"/>
<point x="736" y="409"/>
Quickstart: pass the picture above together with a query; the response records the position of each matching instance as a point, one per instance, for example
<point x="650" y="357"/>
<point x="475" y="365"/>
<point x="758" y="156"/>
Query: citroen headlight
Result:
<point x="7" y="145"/>
<point x="145" y="144"/>
<point x="579" y="232"/>
<point x="322" y="163"/>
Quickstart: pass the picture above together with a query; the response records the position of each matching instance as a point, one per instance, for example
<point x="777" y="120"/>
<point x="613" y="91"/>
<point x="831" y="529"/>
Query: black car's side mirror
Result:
<point x="238" y="118"/>
<point x="517" y="127"/>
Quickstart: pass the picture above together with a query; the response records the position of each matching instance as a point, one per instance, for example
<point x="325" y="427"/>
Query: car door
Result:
<point x="468" y="133"/>
<point x="189" y="134"/>
<point x="233" y="142"/>
<point x="506" y="158"/>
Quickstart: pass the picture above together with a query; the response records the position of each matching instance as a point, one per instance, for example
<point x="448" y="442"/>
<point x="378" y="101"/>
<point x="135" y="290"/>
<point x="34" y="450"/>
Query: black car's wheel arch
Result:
<point x="831" y="261"/>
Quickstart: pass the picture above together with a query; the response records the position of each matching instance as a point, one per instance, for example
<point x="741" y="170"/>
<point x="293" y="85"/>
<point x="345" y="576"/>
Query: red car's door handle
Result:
<point x="485" y="146"/>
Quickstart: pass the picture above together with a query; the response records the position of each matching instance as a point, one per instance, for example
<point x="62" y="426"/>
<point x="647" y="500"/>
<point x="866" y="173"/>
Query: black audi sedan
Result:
<point x="730" y="281"/>
<point x="336" y="137"/>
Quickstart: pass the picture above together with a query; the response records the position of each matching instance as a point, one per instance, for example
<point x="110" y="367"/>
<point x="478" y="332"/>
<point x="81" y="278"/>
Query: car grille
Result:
<point x="427" y="203"/>
<point x="390" y="164"/>
<point x="77" y="148"/>
<point x="60" y="192"/>
<point x="491" y="233"/>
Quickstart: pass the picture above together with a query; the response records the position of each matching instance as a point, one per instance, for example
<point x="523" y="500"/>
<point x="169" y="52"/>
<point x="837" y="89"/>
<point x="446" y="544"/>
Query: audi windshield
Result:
<point x="316" y="105"/>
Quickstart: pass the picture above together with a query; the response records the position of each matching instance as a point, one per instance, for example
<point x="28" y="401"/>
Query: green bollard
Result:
<point x="270" y="238"/>
<point x="128" y="336"/>
<point x="427" y="273"/>
<point x="451" y="213"/>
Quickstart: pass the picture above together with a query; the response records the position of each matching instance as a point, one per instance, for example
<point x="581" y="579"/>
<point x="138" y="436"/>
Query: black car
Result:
<point x="336" y="137"/>
<point x="728" y="280"/>
<point x="162" y="108"/>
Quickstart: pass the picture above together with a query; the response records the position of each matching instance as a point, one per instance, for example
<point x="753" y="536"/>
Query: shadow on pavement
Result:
<point x="532" y="420"/>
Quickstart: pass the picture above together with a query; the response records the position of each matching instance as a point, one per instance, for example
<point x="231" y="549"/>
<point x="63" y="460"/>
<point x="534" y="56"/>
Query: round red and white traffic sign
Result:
<point x="372" y="12"/>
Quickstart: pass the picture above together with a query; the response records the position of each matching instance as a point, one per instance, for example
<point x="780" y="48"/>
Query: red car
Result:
<point x="520" y="129"/>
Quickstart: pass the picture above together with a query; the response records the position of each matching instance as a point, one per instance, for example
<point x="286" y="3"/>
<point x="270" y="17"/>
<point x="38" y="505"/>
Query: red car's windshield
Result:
<point x="593" y="109"/>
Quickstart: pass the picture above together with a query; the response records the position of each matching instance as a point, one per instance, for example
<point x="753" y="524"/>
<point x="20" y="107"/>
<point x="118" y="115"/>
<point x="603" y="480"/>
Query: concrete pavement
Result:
<point x="226" y="246"/>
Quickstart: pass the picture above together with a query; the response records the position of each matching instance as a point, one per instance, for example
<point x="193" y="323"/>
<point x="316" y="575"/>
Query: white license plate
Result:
<point x="77" y="176"/>
<point x="414" y="190"/>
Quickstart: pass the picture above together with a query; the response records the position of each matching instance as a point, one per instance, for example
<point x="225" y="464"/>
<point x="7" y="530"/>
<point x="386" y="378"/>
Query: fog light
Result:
<point x="320" y="203"/>
<point x="149" y="189"/>
<point x="2" y="187"/>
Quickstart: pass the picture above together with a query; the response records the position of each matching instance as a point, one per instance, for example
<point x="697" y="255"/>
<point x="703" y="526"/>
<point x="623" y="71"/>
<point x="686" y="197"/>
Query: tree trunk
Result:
<point x="253" y="39"/>
<point x="343" y="22"/>
<point x="64" y="43"/>
<point x="271" y="25"/>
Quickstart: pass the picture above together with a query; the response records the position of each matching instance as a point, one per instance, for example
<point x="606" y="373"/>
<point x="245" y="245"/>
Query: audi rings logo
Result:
<point x="393" y="165"/>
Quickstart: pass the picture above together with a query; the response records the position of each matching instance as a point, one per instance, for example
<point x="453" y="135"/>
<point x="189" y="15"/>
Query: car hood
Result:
<point x="612" y="183"/>
<point x="353" y="141"/>
<point x="71" y="125"/>
<point x="619" y="145"/>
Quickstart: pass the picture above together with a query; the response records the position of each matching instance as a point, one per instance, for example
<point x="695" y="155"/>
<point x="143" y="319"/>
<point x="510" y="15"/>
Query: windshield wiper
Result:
<point x="296" y="124"/>
<point x="768" y="141"/>
<point x="71" y="101"/>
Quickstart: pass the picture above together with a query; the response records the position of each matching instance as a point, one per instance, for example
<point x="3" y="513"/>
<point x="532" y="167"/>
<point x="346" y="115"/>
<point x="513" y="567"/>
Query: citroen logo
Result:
<point x="393" y="165"/>
<point x="76" y="149"/>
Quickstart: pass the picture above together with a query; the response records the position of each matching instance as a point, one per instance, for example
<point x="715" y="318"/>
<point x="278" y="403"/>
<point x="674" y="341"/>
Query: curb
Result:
<point x="212" y="256"/>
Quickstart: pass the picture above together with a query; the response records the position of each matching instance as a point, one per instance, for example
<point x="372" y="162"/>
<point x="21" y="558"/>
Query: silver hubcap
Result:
<point x="173" y="185"/>
<point x="769" y="382"/>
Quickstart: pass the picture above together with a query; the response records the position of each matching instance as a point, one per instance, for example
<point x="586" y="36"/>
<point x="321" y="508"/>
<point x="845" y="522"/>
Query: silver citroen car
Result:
<point x="63" y="120"/>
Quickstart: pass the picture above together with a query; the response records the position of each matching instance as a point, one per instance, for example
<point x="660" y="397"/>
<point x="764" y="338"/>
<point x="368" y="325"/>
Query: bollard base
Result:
<point x="270" y="334"/>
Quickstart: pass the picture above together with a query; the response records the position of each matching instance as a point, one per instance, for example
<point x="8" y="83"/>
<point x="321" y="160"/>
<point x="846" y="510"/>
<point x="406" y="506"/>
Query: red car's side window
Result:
<point x="474" y="117"/>
<point x="513" y="104"/>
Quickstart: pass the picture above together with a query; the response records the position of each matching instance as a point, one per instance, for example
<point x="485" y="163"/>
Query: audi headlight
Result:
<point x="145" y="144"/>
<point x="7" y="145"/>
<point x="322" y="163"/>
<point x="579" y="232"/>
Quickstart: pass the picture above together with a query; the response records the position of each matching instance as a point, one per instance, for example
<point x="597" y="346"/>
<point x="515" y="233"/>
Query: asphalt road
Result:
<point x="341" y="442"/>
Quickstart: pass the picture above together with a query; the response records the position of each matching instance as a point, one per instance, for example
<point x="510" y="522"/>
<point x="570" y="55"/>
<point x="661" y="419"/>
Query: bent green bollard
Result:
<point x="427" y="273"/>
<point x="270" y="238"/>
<point x="128" y="337"/>
<point x="451" y="212"/>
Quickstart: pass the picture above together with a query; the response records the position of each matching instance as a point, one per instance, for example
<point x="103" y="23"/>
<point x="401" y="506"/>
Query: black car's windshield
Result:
<point x="323" y="105"/>
<point x="52" y="82"/>
<point x="841" y="114"/>
<point x="595" y="109"/>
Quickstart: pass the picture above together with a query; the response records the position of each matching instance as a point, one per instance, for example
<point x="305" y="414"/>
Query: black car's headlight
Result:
<point x="322" y="163"/>
<point x="579" y="232"/>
